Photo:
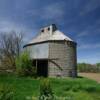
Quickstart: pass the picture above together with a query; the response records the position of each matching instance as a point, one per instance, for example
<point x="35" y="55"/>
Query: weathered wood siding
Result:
<point x="63" y="59"/>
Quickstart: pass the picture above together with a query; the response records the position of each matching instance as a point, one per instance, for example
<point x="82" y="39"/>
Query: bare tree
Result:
<point x="10" y="48"/>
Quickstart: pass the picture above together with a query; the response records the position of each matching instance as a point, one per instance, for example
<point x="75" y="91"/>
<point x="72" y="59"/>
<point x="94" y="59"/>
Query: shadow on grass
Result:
<point x="80" y="77"/>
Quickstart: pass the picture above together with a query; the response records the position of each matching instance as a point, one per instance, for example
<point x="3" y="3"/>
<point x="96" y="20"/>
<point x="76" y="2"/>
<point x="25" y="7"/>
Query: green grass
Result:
<point x="72" y="89"/>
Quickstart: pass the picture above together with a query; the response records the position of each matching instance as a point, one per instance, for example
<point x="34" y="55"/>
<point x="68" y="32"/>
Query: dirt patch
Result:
<point x="94" y="76"/>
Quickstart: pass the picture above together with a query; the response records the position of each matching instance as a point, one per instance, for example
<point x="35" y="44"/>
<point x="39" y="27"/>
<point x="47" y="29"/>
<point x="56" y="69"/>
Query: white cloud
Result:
<point x="89" y="46"/>
<point x="90" y="59"/>
<point x="90" y="29"/>
<point x="8" y="26"/>
<point x="53" y="11"/>
<point x="82" y="34"/>
<point x="90" y="6"/>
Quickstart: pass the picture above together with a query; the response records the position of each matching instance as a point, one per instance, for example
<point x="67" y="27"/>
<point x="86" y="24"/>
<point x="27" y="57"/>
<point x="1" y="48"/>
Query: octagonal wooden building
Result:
<point x="53" y="53"/>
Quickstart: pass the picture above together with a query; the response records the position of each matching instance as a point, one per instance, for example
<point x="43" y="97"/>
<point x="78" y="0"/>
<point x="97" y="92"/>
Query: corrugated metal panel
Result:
<point x="39" y="51"/>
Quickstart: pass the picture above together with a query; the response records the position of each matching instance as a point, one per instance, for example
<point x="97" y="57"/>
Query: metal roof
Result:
<point x="49" y="33"/>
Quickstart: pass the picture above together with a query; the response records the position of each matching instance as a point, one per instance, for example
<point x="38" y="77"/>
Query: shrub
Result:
<point x="6" y="93"/>
<point x="24" y="65"/>
<point x="89" y="88"/>
<point x="76" y="88"/>
<point x="46" y="90"/>
<point x="85" y="67"/>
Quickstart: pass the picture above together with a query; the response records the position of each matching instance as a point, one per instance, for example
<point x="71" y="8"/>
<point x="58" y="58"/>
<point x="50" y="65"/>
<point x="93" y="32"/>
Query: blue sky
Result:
<point x="79" y="19"/>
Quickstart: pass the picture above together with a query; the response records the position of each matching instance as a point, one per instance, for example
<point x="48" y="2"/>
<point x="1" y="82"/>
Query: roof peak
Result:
<point x="54" y="25"/>
<point x="50" y="28"/>
<point x="49" y="33"/>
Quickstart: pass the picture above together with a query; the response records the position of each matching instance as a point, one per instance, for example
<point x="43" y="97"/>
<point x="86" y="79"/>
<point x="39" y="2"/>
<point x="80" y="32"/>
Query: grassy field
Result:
<point x="72" y="89"/>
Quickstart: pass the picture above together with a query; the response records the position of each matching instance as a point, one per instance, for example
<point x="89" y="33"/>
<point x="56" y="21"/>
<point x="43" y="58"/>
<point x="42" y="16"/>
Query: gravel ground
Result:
<point x="94" y="76"/>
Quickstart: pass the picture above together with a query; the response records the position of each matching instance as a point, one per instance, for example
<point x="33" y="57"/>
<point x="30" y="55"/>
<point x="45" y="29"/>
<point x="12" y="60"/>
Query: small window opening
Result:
<point x="42" y="30"/>
<point x="48" y="28"/>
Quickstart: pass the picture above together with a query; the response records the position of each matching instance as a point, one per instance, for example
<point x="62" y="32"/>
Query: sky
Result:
<point x="78" y="19"/>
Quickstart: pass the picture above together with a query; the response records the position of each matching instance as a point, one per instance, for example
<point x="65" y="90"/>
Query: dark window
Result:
<point x="48" y="28"/>
<point x="42" y="30"/>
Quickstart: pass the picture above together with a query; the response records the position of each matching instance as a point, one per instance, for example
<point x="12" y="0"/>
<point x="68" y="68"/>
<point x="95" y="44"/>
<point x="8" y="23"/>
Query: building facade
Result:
<point x="53" y="53"/>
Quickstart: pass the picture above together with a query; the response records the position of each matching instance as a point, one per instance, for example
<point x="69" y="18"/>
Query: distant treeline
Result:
<point x="85" y="67"/>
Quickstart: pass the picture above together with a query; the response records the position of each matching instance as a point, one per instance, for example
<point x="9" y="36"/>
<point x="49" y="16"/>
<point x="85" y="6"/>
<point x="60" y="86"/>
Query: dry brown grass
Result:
<point x="94" y="76"/>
